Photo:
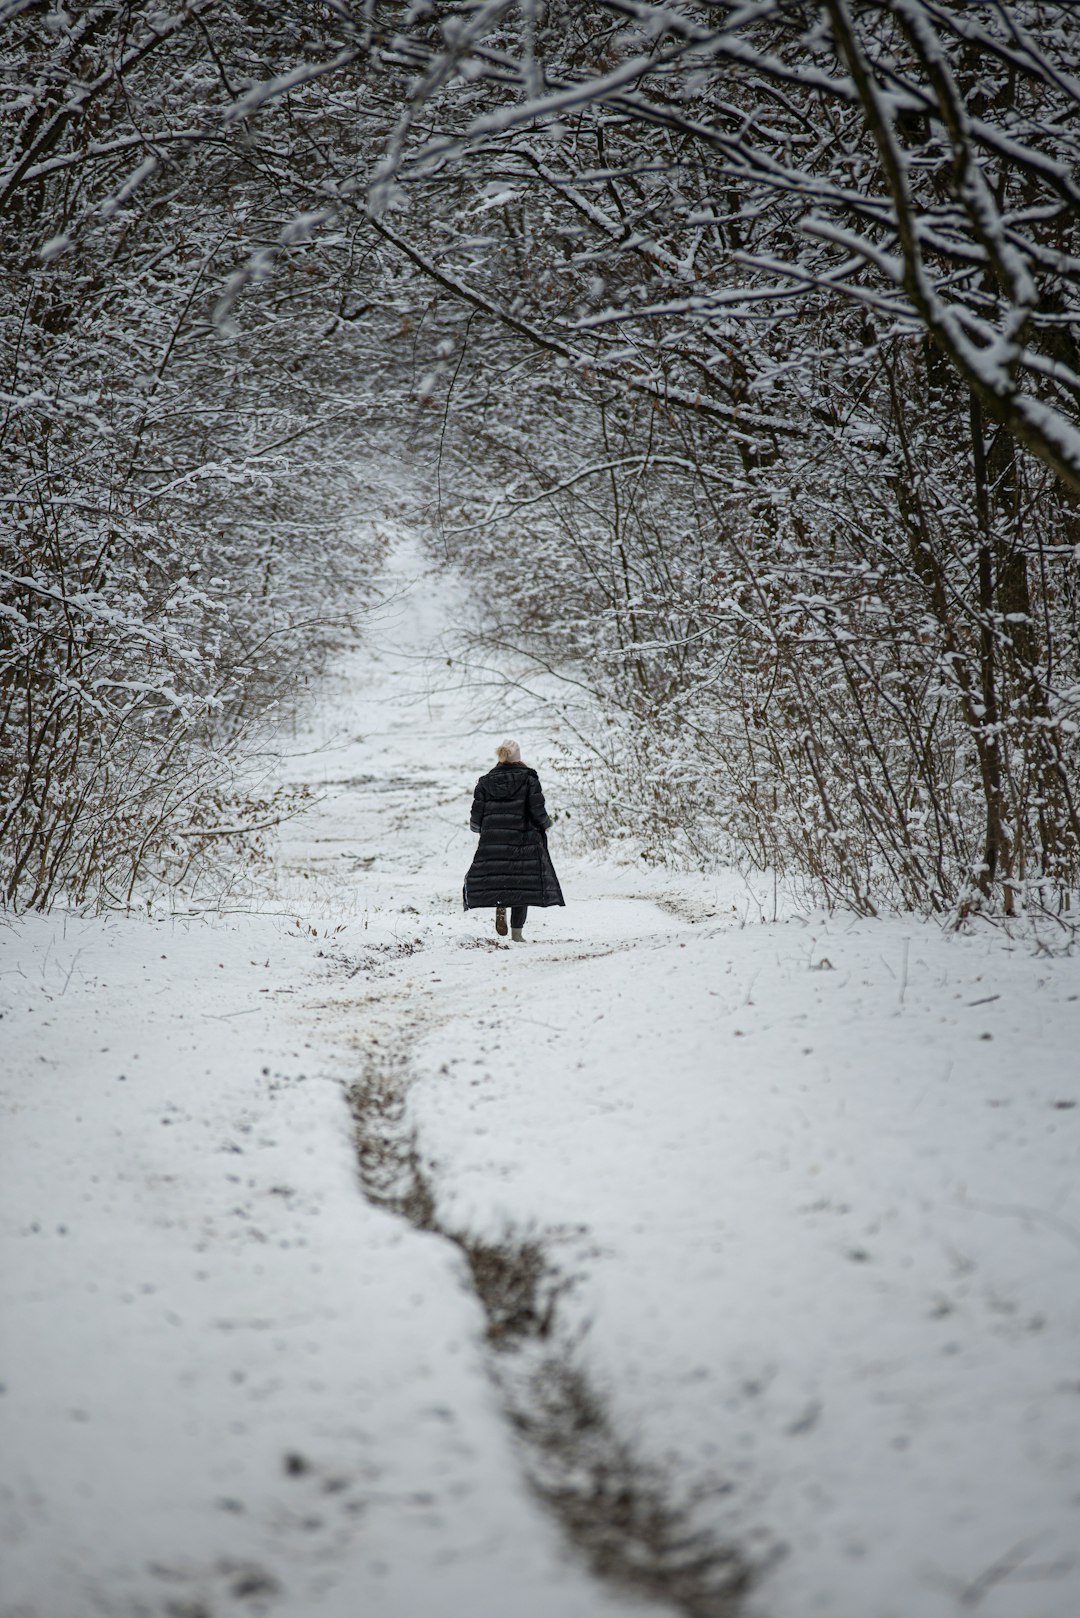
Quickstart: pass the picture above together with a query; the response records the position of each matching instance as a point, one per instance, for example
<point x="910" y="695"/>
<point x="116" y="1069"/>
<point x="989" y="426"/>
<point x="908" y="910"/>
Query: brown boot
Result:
<point x="500" y="920"/>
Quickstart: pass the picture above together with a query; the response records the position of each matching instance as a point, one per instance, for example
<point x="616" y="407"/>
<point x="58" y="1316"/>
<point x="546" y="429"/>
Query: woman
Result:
<point x="512" y="866"/>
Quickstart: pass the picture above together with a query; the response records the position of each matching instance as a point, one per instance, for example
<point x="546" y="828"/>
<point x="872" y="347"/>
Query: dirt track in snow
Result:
<point x="723" y="1141"/>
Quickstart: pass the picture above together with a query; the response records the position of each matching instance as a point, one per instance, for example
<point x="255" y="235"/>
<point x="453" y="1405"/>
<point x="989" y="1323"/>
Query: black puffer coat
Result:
<point x="512" y="864"/>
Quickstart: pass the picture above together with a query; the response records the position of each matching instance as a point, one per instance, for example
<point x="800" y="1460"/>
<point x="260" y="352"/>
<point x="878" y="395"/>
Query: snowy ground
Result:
<point x="814" y="1184"/>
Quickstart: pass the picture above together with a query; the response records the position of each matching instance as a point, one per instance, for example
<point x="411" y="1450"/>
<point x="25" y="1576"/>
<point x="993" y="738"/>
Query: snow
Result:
<point x="832" y="1240"/>
<point x="196" y="1293"/>
<point x="814" y="1181"/>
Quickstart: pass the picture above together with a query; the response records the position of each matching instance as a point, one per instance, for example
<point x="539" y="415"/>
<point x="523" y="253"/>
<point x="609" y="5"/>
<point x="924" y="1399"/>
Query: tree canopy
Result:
<point x="739" y="345"/>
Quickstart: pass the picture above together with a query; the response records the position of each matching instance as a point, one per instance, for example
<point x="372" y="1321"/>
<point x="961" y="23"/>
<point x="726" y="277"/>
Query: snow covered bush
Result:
<point x="187" y="516"/>
<point x="795" y="648"/>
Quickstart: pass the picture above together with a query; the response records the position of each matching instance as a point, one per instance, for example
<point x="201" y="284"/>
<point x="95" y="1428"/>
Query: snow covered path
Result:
<point x="814" y="1185"/>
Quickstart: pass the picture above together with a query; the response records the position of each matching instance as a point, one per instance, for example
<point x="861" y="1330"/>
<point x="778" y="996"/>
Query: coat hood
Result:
<point x="506" y="779"/>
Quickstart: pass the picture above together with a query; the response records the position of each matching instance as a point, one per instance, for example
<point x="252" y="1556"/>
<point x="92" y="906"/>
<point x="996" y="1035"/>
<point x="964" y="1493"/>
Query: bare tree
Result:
<point x="740" y="337"/>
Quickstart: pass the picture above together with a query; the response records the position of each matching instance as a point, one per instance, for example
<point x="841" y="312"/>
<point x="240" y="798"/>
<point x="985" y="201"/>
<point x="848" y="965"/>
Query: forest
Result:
<point x="734" y="347"/>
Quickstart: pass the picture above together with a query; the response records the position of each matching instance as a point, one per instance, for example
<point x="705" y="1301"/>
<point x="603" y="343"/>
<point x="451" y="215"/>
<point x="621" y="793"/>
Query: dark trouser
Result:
<point x="518" y="914"/>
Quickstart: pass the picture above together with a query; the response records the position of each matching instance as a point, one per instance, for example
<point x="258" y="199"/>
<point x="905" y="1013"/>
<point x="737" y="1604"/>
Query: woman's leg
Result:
<point x="517" y="916"/>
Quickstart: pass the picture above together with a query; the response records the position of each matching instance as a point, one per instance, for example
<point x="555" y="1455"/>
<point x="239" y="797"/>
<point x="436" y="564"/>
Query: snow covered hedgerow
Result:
<point x="792" y="650"/>
<point x="187" y="522"/>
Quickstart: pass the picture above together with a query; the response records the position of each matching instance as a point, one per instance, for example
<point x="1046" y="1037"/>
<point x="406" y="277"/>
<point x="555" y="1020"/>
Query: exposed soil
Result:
<point x="625" y="1515"/>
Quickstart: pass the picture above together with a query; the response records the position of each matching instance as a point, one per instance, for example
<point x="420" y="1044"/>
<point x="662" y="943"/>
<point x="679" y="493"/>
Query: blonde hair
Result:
<point x="508" y="753"/>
